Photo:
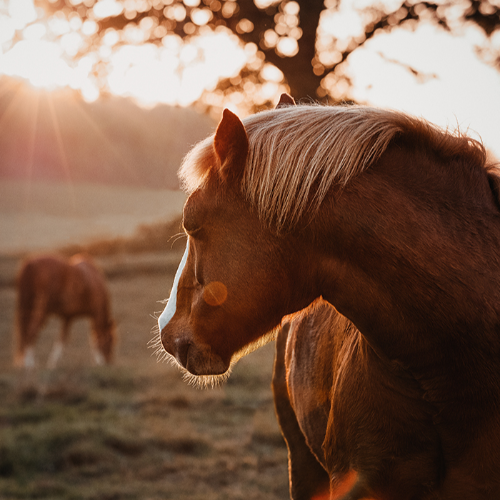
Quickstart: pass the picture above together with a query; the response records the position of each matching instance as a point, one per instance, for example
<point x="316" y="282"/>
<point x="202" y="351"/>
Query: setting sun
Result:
<point x="176" y="72"/>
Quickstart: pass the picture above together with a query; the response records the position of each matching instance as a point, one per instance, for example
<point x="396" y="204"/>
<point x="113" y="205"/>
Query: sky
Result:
<point x="454" y="87"/>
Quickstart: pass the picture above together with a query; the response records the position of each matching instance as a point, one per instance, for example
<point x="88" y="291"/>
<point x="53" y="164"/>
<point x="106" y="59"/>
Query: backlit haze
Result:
<point x="427" y="71"/>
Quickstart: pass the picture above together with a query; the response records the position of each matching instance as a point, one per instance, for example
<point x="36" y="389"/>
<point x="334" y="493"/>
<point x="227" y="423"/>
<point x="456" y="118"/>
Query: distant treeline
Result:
<point x="159" y="237"/>
<point x="57" y="136"/>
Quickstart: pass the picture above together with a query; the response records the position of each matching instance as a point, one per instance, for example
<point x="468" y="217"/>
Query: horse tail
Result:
<point x="24" y="309"/>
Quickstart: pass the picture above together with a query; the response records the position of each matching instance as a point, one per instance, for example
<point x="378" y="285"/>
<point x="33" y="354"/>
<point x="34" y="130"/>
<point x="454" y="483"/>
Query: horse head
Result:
<point x="104" y="339"/>
<point x="221" y="308"/>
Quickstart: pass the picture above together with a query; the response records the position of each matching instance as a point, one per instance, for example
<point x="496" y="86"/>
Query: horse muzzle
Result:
<point x="197" y="359"/>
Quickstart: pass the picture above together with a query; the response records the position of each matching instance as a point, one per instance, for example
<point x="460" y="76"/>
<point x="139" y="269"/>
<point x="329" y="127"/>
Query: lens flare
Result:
<point x="215" y="293"/>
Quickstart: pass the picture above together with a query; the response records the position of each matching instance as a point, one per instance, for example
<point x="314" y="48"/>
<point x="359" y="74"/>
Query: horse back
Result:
<point x="67" y="288"/>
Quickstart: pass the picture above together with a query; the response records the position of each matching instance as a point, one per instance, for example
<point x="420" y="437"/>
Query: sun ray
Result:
<point x="22" y="102"/>
<point x="31" y="143"/>
<point x="61" y="149"/>
<point x="101" y="135"/>
<point x="15" y="103"/>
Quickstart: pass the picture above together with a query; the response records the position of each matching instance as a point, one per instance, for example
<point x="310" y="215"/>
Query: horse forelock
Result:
<point x="197" y="164"/>
<point x="298" y="154"/>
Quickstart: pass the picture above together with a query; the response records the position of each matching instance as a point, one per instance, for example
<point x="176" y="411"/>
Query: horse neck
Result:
<point x="412" y="261"/>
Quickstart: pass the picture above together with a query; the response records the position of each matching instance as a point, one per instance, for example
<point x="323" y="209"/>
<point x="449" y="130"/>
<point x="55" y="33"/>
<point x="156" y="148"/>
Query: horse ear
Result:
<point x="285" y="100"/>
<point x="231" y="145"/>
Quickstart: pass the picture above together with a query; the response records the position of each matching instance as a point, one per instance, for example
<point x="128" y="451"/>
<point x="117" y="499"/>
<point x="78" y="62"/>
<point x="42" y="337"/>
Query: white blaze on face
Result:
<point x="169" y="310"/>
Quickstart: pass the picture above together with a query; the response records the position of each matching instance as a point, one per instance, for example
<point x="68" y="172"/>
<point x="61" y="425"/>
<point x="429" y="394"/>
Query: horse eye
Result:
<point x="188" y="224"/>
<point x="192" y="232"/>
<point x="191" y="224"/>
<point x="192" y="215"/>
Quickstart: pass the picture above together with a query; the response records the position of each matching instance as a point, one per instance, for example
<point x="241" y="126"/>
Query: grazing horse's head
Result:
<point x="104" y="339"/>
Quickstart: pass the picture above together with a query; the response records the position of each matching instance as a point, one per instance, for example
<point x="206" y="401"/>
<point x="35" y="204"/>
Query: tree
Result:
<point x="283" y="33"/>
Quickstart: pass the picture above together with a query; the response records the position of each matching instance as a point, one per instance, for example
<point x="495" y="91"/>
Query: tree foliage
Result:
<point x="283" y="33"/>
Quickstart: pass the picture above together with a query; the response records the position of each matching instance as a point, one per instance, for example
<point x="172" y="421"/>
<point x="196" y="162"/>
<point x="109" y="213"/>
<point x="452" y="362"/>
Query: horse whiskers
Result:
<point x="159" y="351"/>
<point x="177" y="237"/>
<point x="155" y="341"/>
<point x="204" y="381"/>
<point x="212" y="381"/>
<point x="198" y="381"/>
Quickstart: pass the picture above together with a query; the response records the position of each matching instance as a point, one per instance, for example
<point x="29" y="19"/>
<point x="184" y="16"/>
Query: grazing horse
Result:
<point x="69" y="289"/>
<point x="394" y="222"/>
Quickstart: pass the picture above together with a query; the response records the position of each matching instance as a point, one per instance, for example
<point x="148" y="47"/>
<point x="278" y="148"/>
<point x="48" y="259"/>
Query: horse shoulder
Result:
<point x="381" y="425"/>
<point x="307" y="477"/>
<point x="75" y="297"/>
<point x="310" y="358"/>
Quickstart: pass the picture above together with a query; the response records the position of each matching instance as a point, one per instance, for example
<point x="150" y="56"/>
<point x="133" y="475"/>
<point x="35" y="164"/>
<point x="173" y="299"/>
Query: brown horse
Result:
<point x="397" y="224"/>
<point x="69" y="289"/>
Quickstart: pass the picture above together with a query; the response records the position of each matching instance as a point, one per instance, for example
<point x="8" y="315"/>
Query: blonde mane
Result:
<point x="298" y="153"/>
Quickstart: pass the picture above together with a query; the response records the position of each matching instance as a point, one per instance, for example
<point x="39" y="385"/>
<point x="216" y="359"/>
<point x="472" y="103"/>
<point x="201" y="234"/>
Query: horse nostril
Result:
<point x="181" y="351"/>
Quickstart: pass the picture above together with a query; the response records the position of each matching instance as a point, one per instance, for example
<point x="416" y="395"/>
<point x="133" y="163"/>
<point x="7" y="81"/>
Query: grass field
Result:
<point x="133" y="430"/>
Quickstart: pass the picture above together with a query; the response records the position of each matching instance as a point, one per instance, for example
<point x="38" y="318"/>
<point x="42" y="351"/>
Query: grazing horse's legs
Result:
<point x="58" y="346"/>
<point x="29" y="332"/>
<point x="308" y="479"/>
<point x="97" y="350"/>
<point x="98" y="357"/>
<point x="55" y="354"/>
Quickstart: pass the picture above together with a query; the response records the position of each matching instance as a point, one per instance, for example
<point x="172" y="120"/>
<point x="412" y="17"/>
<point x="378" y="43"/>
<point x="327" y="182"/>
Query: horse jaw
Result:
<point x="256" y="344"/>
